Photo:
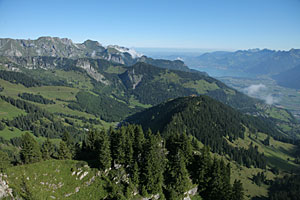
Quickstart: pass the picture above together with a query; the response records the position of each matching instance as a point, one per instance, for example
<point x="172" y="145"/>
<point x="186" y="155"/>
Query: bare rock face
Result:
<point x="5" y="190"/>
<point x="86" y="65"/>
<point x="131" y="79"/>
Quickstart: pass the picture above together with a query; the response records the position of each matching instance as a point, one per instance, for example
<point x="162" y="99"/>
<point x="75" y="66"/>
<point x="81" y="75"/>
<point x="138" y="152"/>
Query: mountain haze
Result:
<point x="254" y="62"/>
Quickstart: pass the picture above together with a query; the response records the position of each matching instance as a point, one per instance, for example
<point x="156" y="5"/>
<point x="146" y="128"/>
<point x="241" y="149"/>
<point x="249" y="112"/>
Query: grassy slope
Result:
<point x="54" y="178"/>
<point x="8" y="111"/>
<point x="49" y="92"/>
<point x="277" y="154"/>
<point x="55" y="172"/>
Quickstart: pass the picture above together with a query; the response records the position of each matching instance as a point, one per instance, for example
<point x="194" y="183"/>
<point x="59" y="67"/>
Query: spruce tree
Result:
<point x="153" y="165"/>
<point x="64" y="151"/>
<point x="69" y="142"/>
<point x="104" y="151"/>
<point x="237" y="190"/>
<point x="47" y="149"/>
<point x="30" y="151"/>
<point x="4" y="160"/>
<point x="118" y="146"/>
<point x="177" y="177"/>
<point x="138" y="143"/>
<point x="135" y="174"/>
<point x="201" y="169"/>
<point x="213" y="191"/>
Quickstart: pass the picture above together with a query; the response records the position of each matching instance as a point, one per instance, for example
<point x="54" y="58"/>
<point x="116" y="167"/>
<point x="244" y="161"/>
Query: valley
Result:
<point x="120" y="125"/>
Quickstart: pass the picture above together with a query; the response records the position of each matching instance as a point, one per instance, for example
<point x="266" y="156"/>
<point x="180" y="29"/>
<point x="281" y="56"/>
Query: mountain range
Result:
<point x="254" y="62"/>
<point x="56" y="95"/>
<point x="64" y="47"/>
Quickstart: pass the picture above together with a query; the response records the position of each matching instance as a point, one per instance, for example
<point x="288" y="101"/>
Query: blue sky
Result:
<point x="215" y="24"/>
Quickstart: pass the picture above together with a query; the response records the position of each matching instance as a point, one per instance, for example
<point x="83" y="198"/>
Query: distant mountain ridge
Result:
<point x="289" y="78"/>
<point x="254" y="61"/>
<point x="65" y="48"/>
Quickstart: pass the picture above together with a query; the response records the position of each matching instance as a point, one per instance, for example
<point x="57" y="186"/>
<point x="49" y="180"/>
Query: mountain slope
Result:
<point x="223" y="129"/>
<point x="137" y="86"/>
<point x="254" y="62"/>
<point x="199" y="115"/>
<point x="65" y="48"/>
<point x="289" y="78"/>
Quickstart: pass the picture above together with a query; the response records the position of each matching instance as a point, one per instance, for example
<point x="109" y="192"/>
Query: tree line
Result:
<point x="136" y="162"/>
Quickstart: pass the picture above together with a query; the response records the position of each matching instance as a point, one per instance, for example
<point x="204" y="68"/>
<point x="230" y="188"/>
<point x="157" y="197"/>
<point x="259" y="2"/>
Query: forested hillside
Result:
<point x="64" y="129"/>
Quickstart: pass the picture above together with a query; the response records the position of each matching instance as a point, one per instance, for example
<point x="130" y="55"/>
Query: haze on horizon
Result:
<point x="216" y="24"/>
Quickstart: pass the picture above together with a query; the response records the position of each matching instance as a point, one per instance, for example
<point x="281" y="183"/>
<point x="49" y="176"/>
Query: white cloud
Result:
<point x="260" y="91"/>
<point x="179" y="58"/>
<point x="132" y="52"/>
<point x="254" y="89"/>
<point x="270" y="99"/>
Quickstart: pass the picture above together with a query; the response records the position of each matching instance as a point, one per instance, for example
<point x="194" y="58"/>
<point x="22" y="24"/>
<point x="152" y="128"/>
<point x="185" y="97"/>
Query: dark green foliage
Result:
<point x="47" y="149"/>
<point x="104" y="151"/>
<point x="259" y="178"/>
<point x="200" y="169"/>
<point x="106" y="108"/>
<point x="118" y="145"/>
<point x="177" y="176"/>
<point x="35" y="98"/>
<point x="152" y="168"/>
<point x="2" y="126"/>
<point x="4" y="161"/>
<point x="83" y="119"/>
<point x="18" y="77"/>
<point x="30" y="151"/>
<point x="267" y="141"/>
<point x="207" y="120"/>
<point x="153" y="92"/>
<point x="63" y="151"/>
<point x="237" y="190"/>
<point x="51" y="127"/>
<point x="286" y="188"/>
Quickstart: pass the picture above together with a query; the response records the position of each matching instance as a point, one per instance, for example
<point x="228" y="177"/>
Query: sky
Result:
<point x="209" y="24"/>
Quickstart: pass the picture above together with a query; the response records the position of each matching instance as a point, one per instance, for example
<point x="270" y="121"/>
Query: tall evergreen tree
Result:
<point x="67" y="138"/>
<point x="153" y="165"/>
<point x="30" y="151"/>
<point x="4" y="160"/>
<point x="138" y="143"/>
<point x="118" y="145"/>
<point x="104" y="151"/>
<point x="64" y="151"/>
<point x="237" y="190"/>
<point x="177" y="177"/>
<point x="47" y="149"/>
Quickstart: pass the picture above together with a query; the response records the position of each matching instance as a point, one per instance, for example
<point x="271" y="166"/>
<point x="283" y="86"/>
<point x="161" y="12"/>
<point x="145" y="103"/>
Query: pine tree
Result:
<point x="201" y="168"/>
<point x="4" y="160"/>
<point x="215" y="186"/>
<point x="135" y="174"/>
<point x="138" y="143"/>
<point x="237" y="190"/>
<point x="177" y="177"/>
<point x="30" y="151"/>
<point x="153" y="165"/>
<point x="104" y="151"/>
<point x="64" y="151"/>
<point x="69" y="142"/>
<point x="118" y="145"/>
<point x="225" y="176"/>
<point x="47" y="149"/>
